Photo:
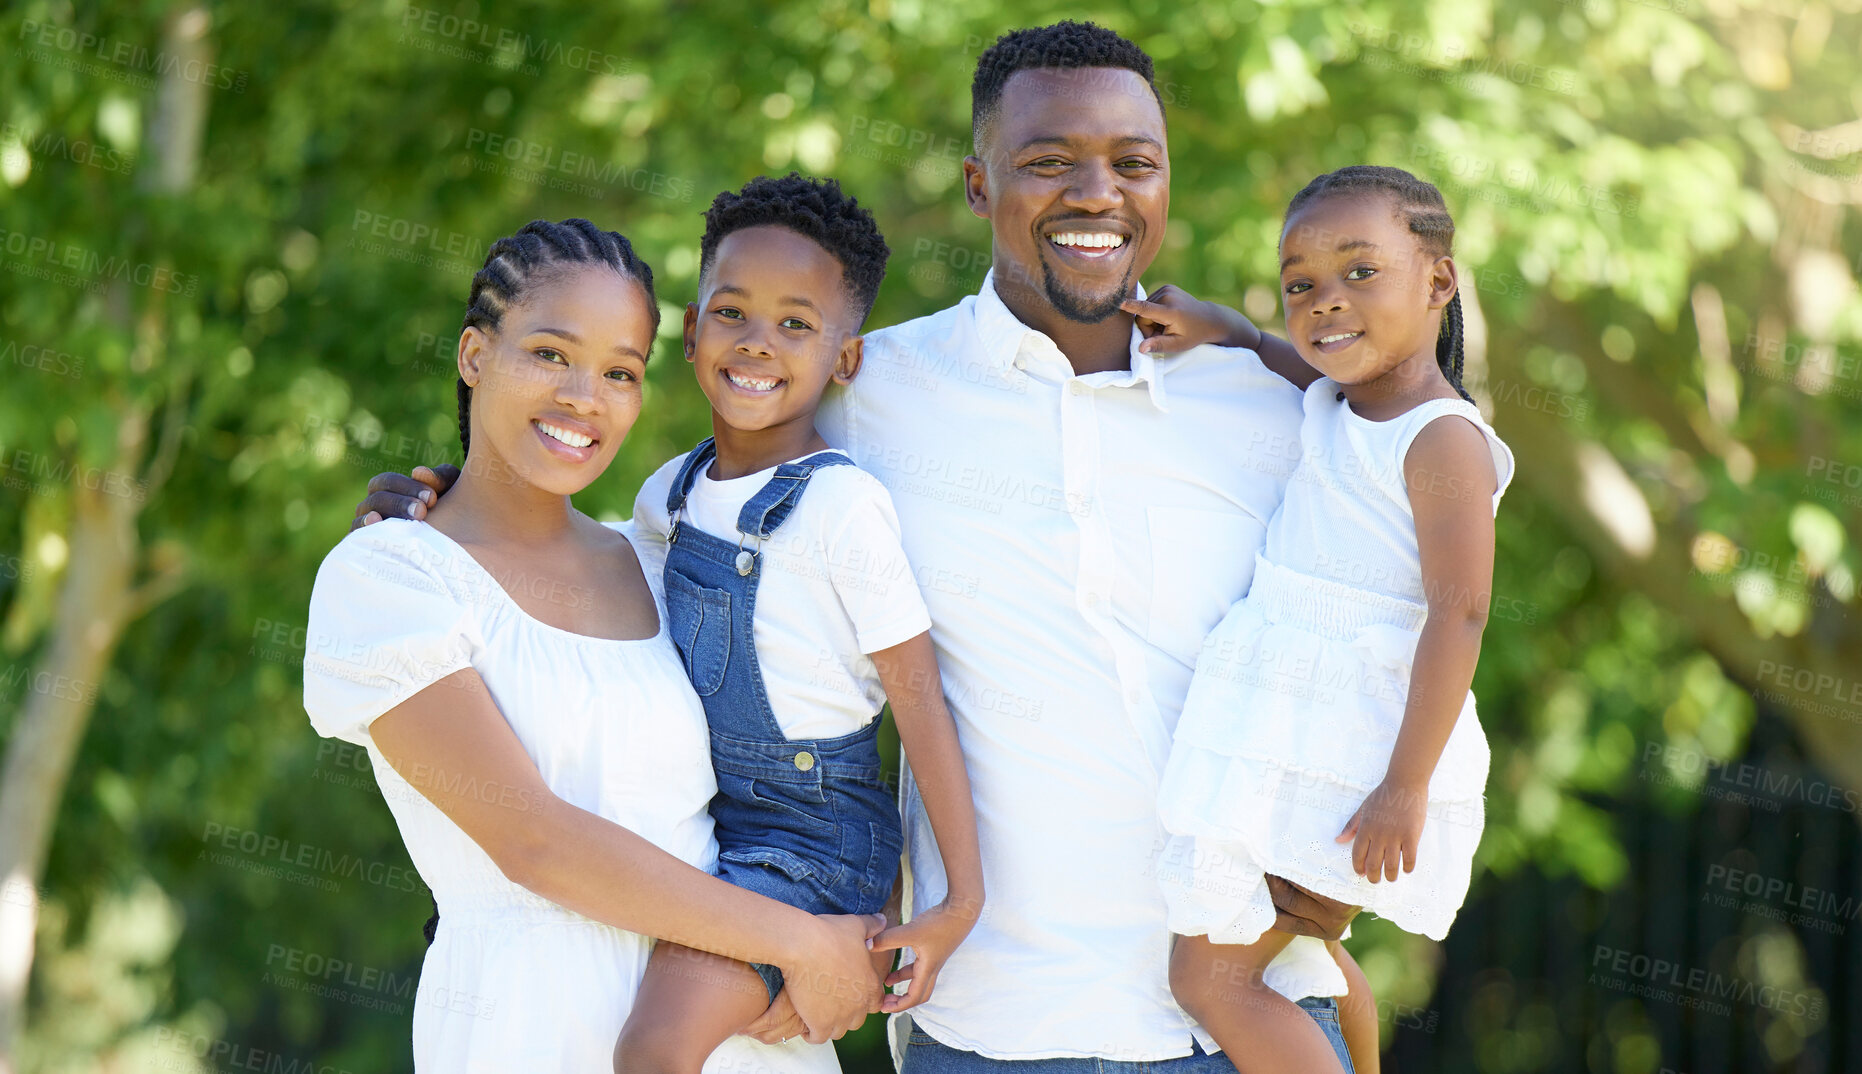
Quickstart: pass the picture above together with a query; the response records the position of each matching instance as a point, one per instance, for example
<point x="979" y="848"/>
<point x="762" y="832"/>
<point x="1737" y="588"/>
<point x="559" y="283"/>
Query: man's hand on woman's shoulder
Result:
<point x="404" y="495"/>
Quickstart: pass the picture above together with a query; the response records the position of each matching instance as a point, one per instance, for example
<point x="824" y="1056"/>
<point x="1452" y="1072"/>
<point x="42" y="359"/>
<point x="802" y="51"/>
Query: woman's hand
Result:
<point x="777" y="1024"/>
<point x="1386" y="830"/>
<point x="1174" y="320"/>
<point x="831" y="980"/>
<point x="932" y="936"/>
<point x="780" y="1022"/>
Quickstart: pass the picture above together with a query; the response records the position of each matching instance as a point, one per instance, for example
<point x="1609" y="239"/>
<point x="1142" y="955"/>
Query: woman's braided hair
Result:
<point x="515" y="264"/>
<point x="1422" y="207"/>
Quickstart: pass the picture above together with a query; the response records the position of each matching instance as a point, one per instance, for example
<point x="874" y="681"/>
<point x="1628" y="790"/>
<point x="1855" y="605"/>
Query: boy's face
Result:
<point x="772" y="325"/>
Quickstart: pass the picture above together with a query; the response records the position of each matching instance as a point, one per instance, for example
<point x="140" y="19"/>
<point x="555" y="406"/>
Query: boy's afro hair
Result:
<point x="815" y="208"/>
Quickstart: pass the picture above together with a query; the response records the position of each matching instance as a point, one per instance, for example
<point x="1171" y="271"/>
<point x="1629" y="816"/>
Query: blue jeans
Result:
<point x="925" y="1055"/>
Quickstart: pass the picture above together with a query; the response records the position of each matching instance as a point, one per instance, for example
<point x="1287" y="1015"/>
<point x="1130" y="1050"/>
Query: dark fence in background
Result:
<point x="1549" y="975"/>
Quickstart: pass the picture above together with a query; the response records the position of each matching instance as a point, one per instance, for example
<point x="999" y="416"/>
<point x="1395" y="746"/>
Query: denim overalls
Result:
<point x="805" y="822"/>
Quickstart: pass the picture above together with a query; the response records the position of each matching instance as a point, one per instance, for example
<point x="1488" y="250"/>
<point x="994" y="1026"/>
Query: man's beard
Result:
<point x="1080" y="308"/>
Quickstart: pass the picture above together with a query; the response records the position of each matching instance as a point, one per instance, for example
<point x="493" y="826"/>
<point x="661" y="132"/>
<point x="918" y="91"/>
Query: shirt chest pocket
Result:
<point x="700" y="621"/>
<point x="1201" y="564"/>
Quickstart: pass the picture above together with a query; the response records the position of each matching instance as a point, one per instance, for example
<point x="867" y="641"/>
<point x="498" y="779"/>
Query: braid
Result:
<point x="1448" y="346"/>
<point x="1422" y="207"/>
<point x="517" y="262"/>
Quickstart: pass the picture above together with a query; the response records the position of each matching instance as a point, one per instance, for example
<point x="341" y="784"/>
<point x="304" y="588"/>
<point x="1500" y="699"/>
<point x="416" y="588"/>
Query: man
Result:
<point x="1079" y="515"/>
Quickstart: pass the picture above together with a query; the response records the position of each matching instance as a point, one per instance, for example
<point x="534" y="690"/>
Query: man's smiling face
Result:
<point x="1075" y="183"/>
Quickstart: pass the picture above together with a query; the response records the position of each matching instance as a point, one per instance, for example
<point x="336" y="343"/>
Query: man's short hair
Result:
<point x="1065" y="45"/>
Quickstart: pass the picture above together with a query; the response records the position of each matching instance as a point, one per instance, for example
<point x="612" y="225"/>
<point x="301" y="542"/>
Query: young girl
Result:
<point x="509" y="669"/>
<point x="798" y="616"/>
<point x="1329" y="736"/>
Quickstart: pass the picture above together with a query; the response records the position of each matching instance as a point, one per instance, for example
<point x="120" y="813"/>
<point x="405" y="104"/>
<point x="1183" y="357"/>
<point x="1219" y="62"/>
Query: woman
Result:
<point x="505" y="662"/>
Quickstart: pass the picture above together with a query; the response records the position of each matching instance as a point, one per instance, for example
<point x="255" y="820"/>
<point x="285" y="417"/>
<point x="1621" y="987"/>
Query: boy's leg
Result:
<point x="1259" y="1029"/>
<point x="689" y="1003"/>
<point x="1357" y="1014"/>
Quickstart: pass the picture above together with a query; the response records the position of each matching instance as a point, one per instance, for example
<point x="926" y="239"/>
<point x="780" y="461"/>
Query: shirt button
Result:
<point x="1075" y="387"/>
<point x="804" y="760"/>
<point x="1092" y="600"/>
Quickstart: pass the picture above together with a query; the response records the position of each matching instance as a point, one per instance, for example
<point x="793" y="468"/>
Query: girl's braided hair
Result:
<point x="515" y="264"/>
<point x="1422" y="207"/>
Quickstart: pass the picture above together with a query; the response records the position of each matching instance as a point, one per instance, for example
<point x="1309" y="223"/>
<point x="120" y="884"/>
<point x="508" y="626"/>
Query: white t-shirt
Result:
<point x="834" y="586"/>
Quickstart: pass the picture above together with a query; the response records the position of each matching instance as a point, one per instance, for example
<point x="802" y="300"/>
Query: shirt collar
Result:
<point x="1004" y="336"/>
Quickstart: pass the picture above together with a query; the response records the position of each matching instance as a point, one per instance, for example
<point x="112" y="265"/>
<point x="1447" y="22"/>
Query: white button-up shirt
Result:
<point x="1075" y="537"/>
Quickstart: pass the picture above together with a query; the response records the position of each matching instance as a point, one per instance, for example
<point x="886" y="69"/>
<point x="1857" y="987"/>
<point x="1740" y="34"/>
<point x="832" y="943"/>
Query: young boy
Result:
<point x="791" y="601"/>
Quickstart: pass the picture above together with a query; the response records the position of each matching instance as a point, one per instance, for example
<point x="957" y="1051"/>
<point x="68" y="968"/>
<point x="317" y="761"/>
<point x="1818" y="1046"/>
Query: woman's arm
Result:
<point x="450" y="742"/>
<point x="909" y="673"/>
<point x="1451" y="482"/>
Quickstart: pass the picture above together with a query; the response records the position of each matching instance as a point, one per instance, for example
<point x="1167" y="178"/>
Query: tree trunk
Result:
<point x="1562" y="465"/>
<point x="60" y="695"/>
<point x="99" y="595"/>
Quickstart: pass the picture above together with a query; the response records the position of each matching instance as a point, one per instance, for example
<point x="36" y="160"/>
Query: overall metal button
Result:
<point x="804" y="760"/>
<point x="745" y="561"/>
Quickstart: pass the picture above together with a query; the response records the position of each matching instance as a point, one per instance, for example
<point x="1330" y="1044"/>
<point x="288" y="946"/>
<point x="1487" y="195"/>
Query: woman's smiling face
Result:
<point x="558" y="385"/>
<point x="1362" y="294"/>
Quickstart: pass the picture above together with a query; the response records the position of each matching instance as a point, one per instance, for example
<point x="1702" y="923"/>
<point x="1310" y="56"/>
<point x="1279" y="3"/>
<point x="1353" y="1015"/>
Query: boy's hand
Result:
<point x="932" y="936"/>
<point x="1173" y="320"/>
<point x="1385" y="831"/>
<point x="404" y="496"/>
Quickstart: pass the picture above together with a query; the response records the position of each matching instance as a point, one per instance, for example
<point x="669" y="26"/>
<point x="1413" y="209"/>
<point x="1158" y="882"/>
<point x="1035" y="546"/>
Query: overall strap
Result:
<point x="695" y="463"/>
<point x="771" y="505"/>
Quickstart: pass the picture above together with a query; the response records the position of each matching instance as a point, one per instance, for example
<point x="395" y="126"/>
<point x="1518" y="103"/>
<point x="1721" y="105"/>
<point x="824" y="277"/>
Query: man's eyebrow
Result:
<point x="1120" y="142"/>
<point x="793" y="300"/>
<point x="564" y="333"/>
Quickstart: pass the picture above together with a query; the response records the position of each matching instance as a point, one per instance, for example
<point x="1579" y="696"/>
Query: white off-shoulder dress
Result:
<point x="1300" y="691"/>
<point x="514" y="982"/>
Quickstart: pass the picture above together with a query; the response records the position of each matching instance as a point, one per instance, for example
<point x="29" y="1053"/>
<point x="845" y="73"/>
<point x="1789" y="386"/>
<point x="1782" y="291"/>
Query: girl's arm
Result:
<point x="908" y="671"/>
<point x="1451" y="481"/>
<point x="450" y="742"/>
<point x="1174" y="320"/>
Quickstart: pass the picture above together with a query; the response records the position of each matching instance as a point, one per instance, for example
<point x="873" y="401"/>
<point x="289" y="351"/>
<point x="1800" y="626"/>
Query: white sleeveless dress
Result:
<point x="514" y="982"/>
<point x="1299" y="693"/>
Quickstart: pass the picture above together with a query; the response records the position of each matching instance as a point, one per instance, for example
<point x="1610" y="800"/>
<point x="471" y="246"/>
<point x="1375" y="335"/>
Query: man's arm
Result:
<point x="404" y="496"/>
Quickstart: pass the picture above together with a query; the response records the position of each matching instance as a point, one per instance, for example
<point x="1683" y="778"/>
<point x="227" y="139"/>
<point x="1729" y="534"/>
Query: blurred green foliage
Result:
<point x="1655" y="203"/>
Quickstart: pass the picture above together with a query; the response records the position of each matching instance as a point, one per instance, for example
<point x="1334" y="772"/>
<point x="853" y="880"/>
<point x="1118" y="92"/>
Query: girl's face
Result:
<point x="557" y="386"/>
<point x="1362" y="294"/>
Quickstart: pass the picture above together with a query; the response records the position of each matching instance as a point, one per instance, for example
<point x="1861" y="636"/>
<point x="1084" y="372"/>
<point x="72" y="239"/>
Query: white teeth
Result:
<point x="1339" y="336"/>
<point x="1094" y="239"/>
<point x="754" y="384"/>
<point x="567" y="437"/>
